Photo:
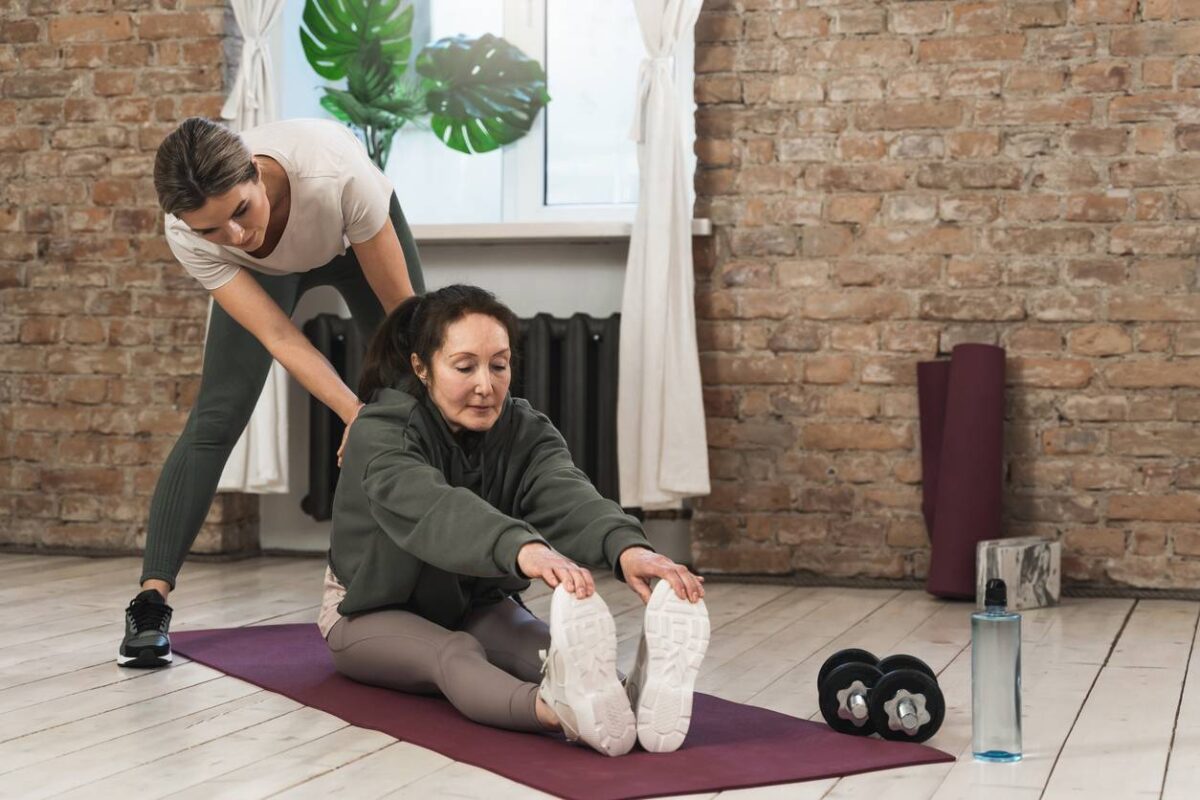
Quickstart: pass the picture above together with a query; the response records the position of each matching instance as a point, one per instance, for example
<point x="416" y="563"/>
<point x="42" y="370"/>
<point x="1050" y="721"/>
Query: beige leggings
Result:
<point x="489" y="669"/>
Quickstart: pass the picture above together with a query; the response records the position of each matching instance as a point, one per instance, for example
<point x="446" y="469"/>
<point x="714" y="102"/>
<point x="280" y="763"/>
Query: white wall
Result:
<point x="559" y="278"/>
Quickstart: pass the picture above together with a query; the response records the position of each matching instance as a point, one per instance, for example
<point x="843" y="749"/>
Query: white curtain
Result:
<point x="662" y="447"/>
<point x="259" y="461"/>
<point x="252" y="101"/>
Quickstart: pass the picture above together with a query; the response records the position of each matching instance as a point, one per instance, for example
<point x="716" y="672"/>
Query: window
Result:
<point x="576" y="164"/>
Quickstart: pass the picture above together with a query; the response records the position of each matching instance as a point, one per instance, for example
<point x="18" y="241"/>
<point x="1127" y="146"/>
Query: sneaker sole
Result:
<point x="677" y="634"/>
<point x="146" y="658"/>
<point x="595" y="709"/>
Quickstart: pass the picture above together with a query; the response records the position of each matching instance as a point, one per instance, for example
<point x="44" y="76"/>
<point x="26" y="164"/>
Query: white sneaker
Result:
<point x="580" y="675"/>
<point x="660" y="687"/>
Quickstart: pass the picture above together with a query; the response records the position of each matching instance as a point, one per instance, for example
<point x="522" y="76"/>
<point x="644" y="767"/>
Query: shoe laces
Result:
<point x="149" y="616"/>
<point x="544" y="655"/>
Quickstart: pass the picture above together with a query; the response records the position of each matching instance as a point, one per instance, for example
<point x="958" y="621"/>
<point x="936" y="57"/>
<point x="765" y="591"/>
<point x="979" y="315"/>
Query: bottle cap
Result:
<point x="996" y="593"/>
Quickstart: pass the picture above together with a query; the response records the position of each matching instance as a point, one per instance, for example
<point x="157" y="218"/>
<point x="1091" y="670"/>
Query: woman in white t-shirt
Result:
<point x="259" y="219"/>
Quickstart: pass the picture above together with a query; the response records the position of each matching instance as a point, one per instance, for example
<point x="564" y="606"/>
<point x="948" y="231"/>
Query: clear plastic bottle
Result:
<point x="996" y="678"/>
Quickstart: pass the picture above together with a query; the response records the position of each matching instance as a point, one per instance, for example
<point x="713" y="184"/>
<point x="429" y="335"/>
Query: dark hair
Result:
<point x="198" y="160"/>
<point x="418" y="325"/>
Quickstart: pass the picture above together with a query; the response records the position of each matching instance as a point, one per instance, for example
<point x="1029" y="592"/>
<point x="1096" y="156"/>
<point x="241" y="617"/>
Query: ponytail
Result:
<point x="388" y="361"/>
<point x="418" y="325"/>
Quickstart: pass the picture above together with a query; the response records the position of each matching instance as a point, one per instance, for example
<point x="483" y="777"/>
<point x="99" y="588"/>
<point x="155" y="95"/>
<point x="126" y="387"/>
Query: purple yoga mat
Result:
<point x="962" y="439"/>
<point x="729" y="746"/>
<point x="932" y="379"/>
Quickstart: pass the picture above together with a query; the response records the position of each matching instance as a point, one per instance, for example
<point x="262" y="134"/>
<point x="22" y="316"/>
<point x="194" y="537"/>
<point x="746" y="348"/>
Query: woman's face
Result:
<point x="237" y="218"/>
<point x="469" y="376"/>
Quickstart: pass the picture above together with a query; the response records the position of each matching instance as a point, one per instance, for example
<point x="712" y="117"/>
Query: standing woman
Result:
<point x="259" y="219"/>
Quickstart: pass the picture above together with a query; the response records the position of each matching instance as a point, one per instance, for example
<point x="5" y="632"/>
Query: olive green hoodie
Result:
<point x="430" y="521"/>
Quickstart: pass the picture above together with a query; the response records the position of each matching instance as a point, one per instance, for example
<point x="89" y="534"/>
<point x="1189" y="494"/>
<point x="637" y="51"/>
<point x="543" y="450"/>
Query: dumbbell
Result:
<point x="898" y="697"/>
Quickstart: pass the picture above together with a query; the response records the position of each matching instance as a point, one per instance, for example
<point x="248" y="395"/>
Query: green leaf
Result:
<point x="406" y="101"/>
<point x="331" y="104"/>
<point x="483" y="93"/>
<point x="345" y="107"/>
<point x="370" y="76"/>
<point x="334" y="31"/>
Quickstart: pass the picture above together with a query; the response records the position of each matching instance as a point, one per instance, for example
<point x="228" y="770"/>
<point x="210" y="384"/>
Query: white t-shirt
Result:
<point x="338" y="198"/>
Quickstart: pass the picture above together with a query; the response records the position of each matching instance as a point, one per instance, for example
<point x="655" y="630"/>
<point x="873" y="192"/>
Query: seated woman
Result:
<point x="453" y="496"/>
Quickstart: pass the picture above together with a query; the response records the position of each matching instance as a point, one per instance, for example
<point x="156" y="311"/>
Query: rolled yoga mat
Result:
<point x="730" y="745"/>
<point x="961" y="405"/>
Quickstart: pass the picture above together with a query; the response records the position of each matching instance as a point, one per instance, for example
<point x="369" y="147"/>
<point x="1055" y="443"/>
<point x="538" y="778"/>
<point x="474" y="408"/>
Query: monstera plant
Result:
<point x="479" y="94"/>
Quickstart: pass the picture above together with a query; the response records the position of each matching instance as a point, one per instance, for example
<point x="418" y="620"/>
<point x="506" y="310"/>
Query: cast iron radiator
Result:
<point x="339" y="341"/>
<point x="566" y="368"/>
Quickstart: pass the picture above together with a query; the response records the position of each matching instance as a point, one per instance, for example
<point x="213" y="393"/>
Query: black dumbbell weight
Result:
<point x="851" y="655"/>
<point x="900" y="661"/>
<point x="906" y="705"/>
<point x="844" y="698"/>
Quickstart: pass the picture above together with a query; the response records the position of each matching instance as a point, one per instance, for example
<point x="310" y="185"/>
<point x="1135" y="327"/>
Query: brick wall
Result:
<point x="100" y="332"/>
<point x="889" y="179"/>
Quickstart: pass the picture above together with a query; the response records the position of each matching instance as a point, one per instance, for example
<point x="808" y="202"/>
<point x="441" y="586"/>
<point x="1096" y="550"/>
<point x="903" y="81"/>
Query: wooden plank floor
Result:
<point x="1111" y="692"/>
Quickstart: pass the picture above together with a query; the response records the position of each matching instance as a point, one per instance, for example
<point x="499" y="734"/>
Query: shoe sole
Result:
<point x="146" y="659"/>
<point x="595" y="709"/>
<point x="676" y="634"/>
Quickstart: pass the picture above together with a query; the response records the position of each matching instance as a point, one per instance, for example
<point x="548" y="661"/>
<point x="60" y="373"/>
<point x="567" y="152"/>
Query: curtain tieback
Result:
<point x="247" y="86"/>
<point x="649" y="70"/>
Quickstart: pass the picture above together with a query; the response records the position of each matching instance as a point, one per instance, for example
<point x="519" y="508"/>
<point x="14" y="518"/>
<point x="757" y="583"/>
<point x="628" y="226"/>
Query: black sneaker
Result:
<point x="146" y="643"/>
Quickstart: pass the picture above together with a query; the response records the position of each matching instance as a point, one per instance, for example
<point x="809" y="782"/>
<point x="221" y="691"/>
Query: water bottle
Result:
<point x="996" y="678"/>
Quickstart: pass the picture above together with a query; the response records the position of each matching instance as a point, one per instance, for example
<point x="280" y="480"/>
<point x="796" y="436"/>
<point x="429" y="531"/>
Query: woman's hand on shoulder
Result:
<point x="640" y="566"/>
<point x="346" y="433"/>
<point x="538" y="562"/>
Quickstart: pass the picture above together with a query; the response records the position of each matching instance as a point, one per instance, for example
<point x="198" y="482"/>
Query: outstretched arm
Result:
<point x="244" y="300"/>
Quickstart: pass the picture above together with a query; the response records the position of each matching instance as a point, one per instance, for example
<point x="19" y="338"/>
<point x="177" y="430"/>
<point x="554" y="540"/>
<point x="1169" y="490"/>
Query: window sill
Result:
<point x="520" y="232"/>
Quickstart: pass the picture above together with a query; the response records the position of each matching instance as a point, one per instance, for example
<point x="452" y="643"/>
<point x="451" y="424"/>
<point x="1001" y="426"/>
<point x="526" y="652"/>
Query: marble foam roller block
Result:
<point x="1030" y="566"/>
<point x="961" y="404"/>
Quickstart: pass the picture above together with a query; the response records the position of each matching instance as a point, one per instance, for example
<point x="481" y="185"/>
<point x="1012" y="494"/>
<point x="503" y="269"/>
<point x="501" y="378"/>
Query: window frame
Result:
<point x="523" y="176"/>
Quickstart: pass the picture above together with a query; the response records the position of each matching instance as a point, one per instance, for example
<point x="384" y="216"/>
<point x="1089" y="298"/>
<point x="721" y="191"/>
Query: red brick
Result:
<point x="1006" y="47"/>
<point x="99" y="28"/>
<point x="1151" y="106"/>
<point x="720" y="368"/>
<point x="1049" y="373"/>
<point x="907" y="116"/>
<point x="1144" y="40"/>
<point x="857" y="436"/>
<point x="1154" y="374"/>
<point x="1170" y="508"/>
<point x="20" y="31"/>
<point x="972" y="144"/>
<point x="1088" y="12"/>
<point x="889" y="371"/>
<point x="1100" y="340"/>
<point x="858" y="53"/>
<point x="1103" y="76"/>
<point x="829" y="370"/>
<point x="1097" y="141"/>
<point x="1096" y="541"/>
<point x="187" y="25"/>
<point x="40" y="330"/>
<point x="1035" y="80"/>
<point x="1155" y="239"/>
<point x="855" y="179"/>
<point x="1059" y="111"/>
<point x="858" y="305"/>
<point x="107" y="84"/>
<point x="974" y="306"/>
<point x="917" y="17"/>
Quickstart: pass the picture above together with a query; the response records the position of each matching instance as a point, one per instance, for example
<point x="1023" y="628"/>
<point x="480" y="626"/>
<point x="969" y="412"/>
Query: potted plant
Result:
<point x="479" y="93"/>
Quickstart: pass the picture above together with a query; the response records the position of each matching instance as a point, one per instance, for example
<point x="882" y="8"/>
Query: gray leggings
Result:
<point x="235" y="369"/>
<point x="489" y="669"/>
